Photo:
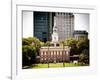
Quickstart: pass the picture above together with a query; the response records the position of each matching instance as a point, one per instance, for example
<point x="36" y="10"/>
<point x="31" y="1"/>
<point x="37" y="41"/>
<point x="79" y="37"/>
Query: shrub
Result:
<point x="28" y="55"/>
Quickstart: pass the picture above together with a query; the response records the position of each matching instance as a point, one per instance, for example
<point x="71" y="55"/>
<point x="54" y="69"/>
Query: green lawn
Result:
<point x="54" y="65"/>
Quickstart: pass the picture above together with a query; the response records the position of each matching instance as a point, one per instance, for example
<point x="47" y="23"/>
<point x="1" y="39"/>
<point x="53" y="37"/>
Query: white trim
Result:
<point x="70" y="72"/>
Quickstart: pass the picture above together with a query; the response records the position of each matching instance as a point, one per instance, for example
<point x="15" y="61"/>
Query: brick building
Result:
<point x="54" y="54"/>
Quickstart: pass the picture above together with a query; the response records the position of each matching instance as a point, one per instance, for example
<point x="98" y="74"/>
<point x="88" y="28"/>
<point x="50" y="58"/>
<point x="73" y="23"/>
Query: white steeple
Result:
<point x="55" y="32"/>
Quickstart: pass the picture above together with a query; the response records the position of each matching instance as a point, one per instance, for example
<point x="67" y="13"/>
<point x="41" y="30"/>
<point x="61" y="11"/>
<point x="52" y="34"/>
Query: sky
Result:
<point x="81" y="22"/>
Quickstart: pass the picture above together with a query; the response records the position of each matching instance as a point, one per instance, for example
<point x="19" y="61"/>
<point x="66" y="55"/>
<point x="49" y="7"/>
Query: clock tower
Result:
<point x="55" y="33"/>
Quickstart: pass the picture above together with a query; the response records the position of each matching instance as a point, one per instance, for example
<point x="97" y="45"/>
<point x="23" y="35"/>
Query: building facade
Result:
<point x="41" y="25"/>
<point x="54" y="54"/>
<point x="65" y="25"/>
<point x="80" y="35"/>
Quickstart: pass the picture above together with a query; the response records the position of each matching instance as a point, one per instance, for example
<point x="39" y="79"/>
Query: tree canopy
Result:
<point x="79" y="47"/>
<point x="30" y="49"/>
<point x="71" y="42"/>
<point x="28" y="54"/>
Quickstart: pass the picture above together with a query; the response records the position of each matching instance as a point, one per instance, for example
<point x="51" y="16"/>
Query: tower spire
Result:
<point x="55" y="33"/>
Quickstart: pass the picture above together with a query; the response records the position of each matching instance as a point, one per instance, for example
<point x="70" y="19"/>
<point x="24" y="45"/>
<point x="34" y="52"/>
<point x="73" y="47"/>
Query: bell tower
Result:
<point x="55" y="33"/>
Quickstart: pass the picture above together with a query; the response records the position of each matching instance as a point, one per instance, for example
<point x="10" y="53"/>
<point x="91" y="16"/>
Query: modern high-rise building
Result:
<point x="65" y="25"/>
<point x="78" y="34"/>
<point x="41" y="25"/>
<point x="44" y="22"/>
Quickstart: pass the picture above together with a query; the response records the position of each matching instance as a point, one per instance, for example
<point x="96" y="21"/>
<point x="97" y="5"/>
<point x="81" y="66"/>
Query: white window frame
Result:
<point x="70" y="73"/>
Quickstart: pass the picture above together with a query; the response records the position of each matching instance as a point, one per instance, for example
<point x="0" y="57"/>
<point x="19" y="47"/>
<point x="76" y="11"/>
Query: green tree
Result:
<point x="30" y="49"/>
<point x="30" y="40"/>
<point x="25" y="41"/>
<point x="83" y="48"/>
<point x="28" y="55"/>
<point x="83" y="44"/>
<point x="84" y="56"/>
<point x="71" y="42"/>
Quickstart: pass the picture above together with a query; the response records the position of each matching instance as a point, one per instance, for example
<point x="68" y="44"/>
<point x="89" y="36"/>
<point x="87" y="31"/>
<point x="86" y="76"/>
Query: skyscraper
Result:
<point x="41" y="25"/>
<point x="65" y="25"/>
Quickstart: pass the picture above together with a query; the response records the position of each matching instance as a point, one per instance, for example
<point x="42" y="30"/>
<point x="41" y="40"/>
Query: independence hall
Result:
<point x="52" y="54"/>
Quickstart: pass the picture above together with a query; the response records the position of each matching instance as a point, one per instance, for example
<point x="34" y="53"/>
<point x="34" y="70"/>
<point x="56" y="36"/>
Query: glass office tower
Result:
<point x="41" y="25"/>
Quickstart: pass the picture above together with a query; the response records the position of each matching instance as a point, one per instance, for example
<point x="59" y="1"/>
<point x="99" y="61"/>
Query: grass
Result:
<point x="55" y="65"/>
